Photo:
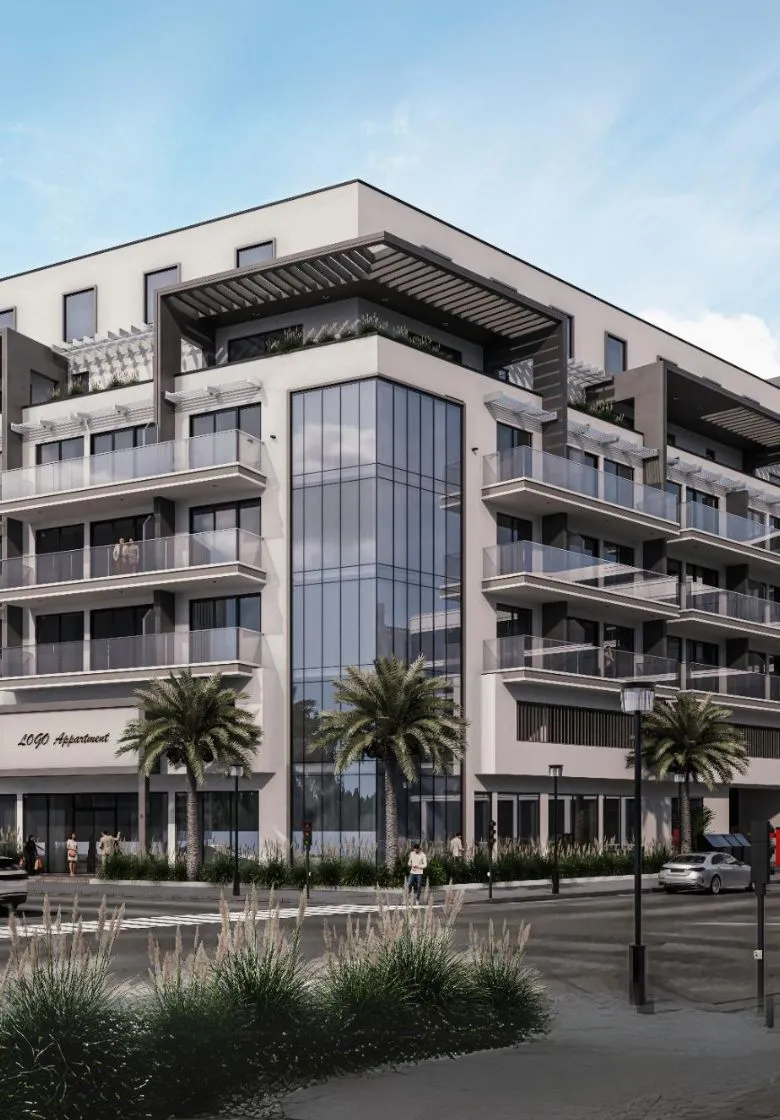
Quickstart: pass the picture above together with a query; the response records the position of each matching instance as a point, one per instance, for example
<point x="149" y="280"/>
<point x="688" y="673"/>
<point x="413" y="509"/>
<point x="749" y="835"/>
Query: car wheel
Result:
<point x="715" y="884"/>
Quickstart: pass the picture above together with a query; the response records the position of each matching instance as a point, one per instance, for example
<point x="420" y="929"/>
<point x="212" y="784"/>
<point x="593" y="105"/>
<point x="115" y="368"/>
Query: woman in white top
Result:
<point x="72" y="850"/>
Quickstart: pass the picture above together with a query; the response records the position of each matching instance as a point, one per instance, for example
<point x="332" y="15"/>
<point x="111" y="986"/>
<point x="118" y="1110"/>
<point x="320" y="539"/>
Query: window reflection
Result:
<point x="376" y="563"/>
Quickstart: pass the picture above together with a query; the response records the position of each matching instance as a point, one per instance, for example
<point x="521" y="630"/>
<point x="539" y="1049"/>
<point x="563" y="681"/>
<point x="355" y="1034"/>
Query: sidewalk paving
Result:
<point x="602" y="1060"/>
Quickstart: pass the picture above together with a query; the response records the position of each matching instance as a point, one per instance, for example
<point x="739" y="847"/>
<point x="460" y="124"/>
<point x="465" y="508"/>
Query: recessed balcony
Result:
<point x="711" y="613"/>
<point x="525" y="572"/>
<point x="234" y="651"/>
<point x="525" y="657"/>
<point x="528" y="482"/>
<point x="191" y="467"/>
<point x="226" y="561"/>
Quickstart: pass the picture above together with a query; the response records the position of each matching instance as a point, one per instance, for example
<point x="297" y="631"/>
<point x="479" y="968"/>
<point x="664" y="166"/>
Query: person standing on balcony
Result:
<point x="132" y="556"/>
<point x="118" y="555"/>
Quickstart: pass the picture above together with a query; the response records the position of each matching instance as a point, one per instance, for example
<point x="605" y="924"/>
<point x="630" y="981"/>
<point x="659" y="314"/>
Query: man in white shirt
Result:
<point x="418" y="862"/>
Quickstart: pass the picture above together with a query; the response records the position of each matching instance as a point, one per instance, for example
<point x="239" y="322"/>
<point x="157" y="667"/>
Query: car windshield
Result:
<point x="688" y="859"/>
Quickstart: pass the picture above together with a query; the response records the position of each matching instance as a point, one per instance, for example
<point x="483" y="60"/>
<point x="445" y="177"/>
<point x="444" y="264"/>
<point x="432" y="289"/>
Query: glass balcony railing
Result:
<point x="223" y="546"/>
<point x="130" y="464"/>
<point x="140" y="651"/>
<point x="530" y="558"/>
<point x="744" y="683"/>
<point x="744" y="530"/>
<point x="526" y="652"/>
<point x="566" y="474"/>
<point x="730" y="604"/>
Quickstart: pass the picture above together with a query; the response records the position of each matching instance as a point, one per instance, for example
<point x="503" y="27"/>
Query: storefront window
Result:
<point x="8" y="828"/>
<point x="216" y="823"/>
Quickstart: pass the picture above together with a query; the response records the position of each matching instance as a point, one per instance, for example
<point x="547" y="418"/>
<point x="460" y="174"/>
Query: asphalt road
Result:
<point x="700" y="949"/>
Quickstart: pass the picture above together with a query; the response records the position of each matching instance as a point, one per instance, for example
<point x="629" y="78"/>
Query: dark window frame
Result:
<point x="224" y="599"/>
<point x="157" y="272"/>
<point x="213" y="507"/>
<point x="237" y="408"/>
<point x="271" y="335"/>
<point x="255" y="245"/>
<point x="609" y="336"/>
<point x="60" y="442"/>
<point x="136" y="429"/>
<point x="69" y="295"/>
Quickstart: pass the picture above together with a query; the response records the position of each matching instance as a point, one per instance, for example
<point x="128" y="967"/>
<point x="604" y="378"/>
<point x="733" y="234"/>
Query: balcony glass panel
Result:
<point x="139" y="651"/>
<point x="565" y="474"/>
<point x="196" y="453"/>
<point x="523" y="651"/>
<point x="582" y="569"/>
<point x="731" y="604"/>
<point x="732" y="682"/>
<point x="707" y="519"/>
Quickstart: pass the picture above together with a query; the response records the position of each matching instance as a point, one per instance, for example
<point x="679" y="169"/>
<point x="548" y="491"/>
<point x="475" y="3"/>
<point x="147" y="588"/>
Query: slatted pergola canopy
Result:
<point x="382" y="268"/>
<point x="703" y="406"/>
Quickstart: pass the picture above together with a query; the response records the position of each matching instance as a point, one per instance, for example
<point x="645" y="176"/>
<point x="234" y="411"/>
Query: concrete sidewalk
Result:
<point x="601" y="1060"/>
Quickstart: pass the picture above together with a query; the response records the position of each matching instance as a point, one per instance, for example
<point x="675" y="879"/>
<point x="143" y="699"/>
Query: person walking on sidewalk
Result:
<point x="72" y="851"/>
<point x="418" y="862"/>
<point x="30" y="855"/>
<point x="456" y="846"/>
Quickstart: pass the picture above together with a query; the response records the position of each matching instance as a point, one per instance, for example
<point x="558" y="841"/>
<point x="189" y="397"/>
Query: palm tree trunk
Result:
<point x="193" y="827"/>
<point x="686" y="837"/>
<point x="391" y="815"/>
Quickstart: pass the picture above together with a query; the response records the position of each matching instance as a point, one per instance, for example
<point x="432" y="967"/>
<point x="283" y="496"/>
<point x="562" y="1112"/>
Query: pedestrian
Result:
<point x="30" y="855"/>
<point x="418" y="862"/>
<point x="456" y="846"/>
<point x="118" y="555"/>
<point x="108" y="845"/>
<point x="72" y="850"/>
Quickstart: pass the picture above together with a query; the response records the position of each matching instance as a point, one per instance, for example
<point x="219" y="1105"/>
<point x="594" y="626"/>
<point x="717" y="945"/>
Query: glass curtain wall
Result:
<point x="376" y="561"/>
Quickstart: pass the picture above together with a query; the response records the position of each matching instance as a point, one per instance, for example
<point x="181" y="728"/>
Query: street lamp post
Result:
<point x="235" y="773"/>
<point x="556" y="771"/>
<point x="637" y="698"/>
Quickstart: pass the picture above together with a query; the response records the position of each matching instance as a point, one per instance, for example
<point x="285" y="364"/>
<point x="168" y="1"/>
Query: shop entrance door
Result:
<point x="92" y="816"/>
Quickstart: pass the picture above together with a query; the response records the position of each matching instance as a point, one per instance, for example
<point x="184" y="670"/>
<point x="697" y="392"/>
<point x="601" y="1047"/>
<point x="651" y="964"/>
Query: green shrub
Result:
<point x="359" y="872"/>
<point x="67" y="1047"/>
<point x="331" y="872"/>
<point x="122" y="865"/>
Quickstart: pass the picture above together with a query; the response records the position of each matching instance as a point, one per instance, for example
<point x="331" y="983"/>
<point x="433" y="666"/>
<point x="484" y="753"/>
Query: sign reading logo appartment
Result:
<point x="37" y="739"/>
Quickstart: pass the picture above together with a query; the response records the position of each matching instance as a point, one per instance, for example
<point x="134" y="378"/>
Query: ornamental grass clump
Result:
<point x="507" y="991"/>
<point x="67" y="1044"/>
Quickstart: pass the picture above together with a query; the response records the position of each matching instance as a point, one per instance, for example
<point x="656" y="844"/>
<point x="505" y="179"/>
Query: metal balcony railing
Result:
<point x="185" y="550"/>
<point x="524" y="651"/>
<point x="530" y="558"/>
<point x="139" y="651"/>
<point x="566" y="474"/>
<point x="152" y="461"/>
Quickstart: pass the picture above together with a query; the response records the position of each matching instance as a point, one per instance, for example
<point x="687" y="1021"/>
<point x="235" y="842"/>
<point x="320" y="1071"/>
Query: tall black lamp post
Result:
<point x="637" y="698"/>
<point x="235" y="774"/>
<point x="556" y="771"/>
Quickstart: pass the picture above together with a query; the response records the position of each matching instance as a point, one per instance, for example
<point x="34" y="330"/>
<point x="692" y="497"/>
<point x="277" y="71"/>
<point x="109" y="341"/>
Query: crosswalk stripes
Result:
<point x="171" y="921"/>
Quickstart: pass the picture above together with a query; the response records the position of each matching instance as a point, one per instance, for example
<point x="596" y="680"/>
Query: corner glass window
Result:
<point x="80" y="314"/>
<point x="162" y="278"/>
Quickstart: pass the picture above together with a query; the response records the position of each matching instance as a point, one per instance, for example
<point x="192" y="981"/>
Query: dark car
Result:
<point x="13" y="883"/>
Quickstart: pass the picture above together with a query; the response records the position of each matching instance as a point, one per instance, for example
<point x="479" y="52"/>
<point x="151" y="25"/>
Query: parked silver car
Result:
<point x="13" y="883"/>
<point x="705" y="871"/>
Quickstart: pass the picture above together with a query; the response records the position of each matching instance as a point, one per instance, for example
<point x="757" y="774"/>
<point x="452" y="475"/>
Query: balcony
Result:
<point x="740" y="688"/>
<point x="525" y="572"/>
<point x="229" y="558"/>
<point x="528" y="482"/>
<point x="527" y="657"/>
<point x="711" y="613"/>
<point x="726" y="536"/>
<point x="186" y="467"/>
<point x="233" y="651"/>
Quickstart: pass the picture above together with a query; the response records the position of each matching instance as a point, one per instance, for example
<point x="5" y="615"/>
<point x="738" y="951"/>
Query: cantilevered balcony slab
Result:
<point x="526" y="572"/>
<point x="188" y="468"/>
<point x="708" y="534"/>
<point x="223" y="562"/>
<point x="712" y="614"/>
<point x="233" y="651"/>
<point x="734" y="688"/>
<point x="533" y="483"/>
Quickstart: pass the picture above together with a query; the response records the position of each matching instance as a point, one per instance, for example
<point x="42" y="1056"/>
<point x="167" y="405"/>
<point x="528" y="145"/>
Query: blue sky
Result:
<point x="632" y="148"/>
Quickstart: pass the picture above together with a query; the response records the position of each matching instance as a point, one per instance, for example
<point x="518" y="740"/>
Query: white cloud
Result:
<point x="746" y="340"/>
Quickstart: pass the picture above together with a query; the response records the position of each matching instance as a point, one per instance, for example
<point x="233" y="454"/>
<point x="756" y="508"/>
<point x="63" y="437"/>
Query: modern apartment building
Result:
<point x="299" y="437"/>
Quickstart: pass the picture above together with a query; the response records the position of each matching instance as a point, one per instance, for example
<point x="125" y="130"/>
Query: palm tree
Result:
<point x="191" y="723"/>
<point x="691" y="739"/>
<point x="399" y="716"/>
